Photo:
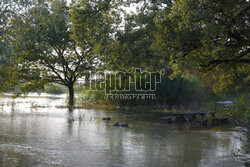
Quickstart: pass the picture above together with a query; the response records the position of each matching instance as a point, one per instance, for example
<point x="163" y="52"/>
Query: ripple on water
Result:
<point x="42" y="136"/>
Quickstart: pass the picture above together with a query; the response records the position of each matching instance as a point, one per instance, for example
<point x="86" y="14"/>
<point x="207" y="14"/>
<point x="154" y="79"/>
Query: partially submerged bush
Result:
<point x="181" y="91"/>
<point x="247" y="115"/>
<point x="54" y="89"/>
<point x="241" y="108"/>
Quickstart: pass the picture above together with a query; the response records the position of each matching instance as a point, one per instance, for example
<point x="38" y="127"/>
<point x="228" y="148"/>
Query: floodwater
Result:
<point x="36" y="131"/>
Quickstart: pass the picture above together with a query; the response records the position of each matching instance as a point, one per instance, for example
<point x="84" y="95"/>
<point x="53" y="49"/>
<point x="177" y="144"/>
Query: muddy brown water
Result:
<point x="34" y="131"/>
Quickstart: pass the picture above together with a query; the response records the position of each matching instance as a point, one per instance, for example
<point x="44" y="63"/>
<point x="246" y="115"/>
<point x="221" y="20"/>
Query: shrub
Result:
<point x="241" y="108"/>
<point x="181" y="91"/>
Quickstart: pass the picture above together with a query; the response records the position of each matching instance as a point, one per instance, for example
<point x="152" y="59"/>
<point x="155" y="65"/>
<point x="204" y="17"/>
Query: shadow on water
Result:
<point x="51" y="136"/>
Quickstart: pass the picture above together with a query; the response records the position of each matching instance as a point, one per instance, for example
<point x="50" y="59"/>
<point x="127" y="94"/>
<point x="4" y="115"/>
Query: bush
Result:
<point x="57" y="89"/>
<point x="247" y="115"/>
<point x="181" y="91"/>
<point x="241" y="108"/>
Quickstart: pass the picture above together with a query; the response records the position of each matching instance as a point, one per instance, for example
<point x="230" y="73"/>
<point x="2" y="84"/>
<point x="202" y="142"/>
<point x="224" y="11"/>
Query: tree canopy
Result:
<point x="9" y="9"/>
<point x="46" y="50"/>
<point x="54" y="41"/>
<point x="211" y="37"/>
<point x="132" y="45"/>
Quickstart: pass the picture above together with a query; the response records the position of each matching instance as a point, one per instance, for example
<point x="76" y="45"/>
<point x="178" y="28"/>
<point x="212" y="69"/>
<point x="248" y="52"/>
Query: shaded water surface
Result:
<point x="34" y="131"/>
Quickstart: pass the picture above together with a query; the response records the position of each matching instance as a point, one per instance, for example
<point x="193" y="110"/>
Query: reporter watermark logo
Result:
<point x="119" y="84"/>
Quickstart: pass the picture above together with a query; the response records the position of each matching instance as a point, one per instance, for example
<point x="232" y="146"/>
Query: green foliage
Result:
<point x="241" y="108"/>
<point x="93" y="25"/>
<point x="48" y="41"/>
<point x="96" y="97"/>
<point x="207" y="36"/>
<point x="247" y="115"/>
<point x="47" y="48"/>
<point x="184" y="91"/>
<point x="54" y="89"/>
<point x="9" y="9"/>
<point x="42" y="45"/>
<point x="132" y="45"/>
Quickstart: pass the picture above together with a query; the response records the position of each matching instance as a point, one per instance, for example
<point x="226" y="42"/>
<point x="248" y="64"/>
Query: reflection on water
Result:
<point x="34" y="132"/>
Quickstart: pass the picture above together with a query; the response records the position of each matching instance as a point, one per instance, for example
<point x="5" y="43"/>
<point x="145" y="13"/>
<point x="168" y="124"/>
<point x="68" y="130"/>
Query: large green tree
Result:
<point x="46" y="51"/>
<point x="208" y="36"/>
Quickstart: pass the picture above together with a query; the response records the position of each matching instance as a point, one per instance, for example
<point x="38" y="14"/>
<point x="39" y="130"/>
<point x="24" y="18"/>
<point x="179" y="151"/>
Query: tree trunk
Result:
<point x="71" y="94"/>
